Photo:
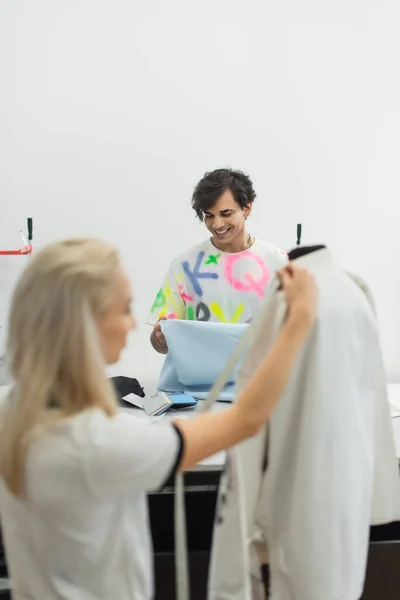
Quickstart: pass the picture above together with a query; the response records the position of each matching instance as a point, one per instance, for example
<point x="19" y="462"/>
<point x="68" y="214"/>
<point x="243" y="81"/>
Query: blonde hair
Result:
<point x="53" y="350"/>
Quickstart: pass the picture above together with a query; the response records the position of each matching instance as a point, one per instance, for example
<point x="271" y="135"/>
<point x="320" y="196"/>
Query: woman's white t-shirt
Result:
<point x="82" y="529"/>
<point x="206" y="284"/>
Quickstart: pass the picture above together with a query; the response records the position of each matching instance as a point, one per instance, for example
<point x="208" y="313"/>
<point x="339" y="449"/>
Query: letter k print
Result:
<point x="195" y="274"/>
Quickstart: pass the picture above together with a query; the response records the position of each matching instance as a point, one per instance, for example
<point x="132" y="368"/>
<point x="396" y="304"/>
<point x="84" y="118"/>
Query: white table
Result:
<point x="216" y="462"/>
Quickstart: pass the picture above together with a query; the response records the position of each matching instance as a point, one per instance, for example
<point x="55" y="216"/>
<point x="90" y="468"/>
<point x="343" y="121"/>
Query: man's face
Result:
<point x="226" y="220"/>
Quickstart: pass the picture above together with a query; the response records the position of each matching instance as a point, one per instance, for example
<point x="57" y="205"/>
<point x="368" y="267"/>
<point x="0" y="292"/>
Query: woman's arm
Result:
<point x="210" y="433"/>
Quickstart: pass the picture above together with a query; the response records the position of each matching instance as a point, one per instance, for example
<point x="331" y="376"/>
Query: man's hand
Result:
<point x="158" y="337"/>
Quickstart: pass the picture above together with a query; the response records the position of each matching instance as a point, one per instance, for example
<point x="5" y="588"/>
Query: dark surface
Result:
<point x="386" y="533"/>
<point x="200" y="509"/>
<point x="382" y="580"/>
<point x="4" y="594"/>
<point x="383" y="573"/>
<point x="165" y="576"/>
<point x="3" y="567"/>
<point x="124" y="386"/>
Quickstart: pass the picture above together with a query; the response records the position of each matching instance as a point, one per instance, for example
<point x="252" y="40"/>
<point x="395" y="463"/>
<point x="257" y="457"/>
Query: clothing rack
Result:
<point x="27" y="247"/>
<point x="299" y="231"/>
<point x="26" y="250"/>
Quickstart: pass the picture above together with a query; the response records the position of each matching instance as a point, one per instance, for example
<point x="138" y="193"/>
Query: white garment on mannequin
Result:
<point x="332" y="467"/>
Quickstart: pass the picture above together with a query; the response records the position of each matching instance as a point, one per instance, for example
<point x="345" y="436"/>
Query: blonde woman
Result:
<point x="73" y="472"/>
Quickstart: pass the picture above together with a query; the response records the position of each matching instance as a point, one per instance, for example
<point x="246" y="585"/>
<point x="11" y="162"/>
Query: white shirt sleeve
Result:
<point x="282" y="259"/>
<point x="124" y="454"/>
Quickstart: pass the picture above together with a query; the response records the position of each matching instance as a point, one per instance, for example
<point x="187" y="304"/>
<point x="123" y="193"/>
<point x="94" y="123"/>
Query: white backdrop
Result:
<point x="111" y="110"/>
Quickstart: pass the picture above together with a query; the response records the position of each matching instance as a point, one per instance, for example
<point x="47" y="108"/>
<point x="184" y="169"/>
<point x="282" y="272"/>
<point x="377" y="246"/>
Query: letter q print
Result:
<point x="247" y="281"/>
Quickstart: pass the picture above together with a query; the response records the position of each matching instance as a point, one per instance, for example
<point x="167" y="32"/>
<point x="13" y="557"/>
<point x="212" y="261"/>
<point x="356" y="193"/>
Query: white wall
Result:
<point x="110" y="112"/>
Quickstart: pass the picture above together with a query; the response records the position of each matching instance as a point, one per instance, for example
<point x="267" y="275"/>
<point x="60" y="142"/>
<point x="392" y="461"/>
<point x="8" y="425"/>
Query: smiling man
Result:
<point x="225" y="277"/>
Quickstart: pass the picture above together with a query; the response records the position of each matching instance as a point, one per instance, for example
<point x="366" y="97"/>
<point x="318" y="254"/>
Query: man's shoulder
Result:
<point x="191" y="253"/>
<point x="267" y="249"/>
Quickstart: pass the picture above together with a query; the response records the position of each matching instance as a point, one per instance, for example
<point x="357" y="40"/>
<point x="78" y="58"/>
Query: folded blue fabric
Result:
<point x="197" y="353"/>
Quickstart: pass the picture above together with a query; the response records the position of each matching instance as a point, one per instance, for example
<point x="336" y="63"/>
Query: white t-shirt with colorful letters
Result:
<point x="206" y="284"/>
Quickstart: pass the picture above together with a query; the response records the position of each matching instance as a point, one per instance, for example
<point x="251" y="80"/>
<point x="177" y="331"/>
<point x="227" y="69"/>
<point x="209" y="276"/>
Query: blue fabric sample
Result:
<point x="197" y="353"/>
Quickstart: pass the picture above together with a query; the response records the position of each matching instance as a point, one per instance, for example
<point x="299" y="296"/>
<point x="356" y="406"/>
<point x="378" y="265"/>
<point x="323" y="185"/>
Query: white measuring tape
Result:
<point x="181" y="549"/>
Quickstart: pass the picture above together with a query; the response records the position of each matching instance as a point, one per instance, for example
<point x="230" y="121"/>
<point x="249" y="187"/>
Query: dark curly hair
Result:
<point x="215" y="183"/>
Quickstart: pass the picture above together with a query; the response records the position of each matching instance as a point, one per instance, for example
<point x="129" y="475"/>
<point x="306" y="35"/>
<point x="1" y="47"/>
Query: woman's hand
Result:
<point x="301" y="292"/>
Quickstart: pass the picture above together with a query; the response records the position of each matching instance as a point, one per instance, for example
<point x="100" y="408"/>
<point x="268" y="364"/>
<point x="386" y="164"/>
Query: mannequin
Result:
<point x="300" y="251"/>
<point x="332" y="469"/>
